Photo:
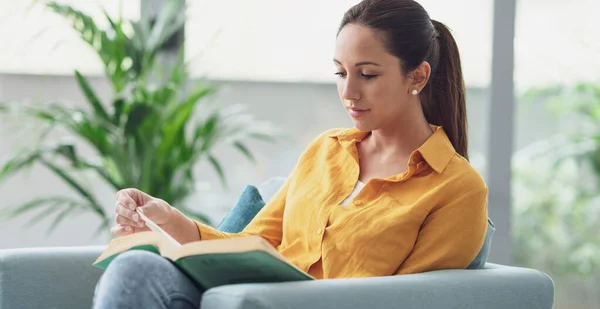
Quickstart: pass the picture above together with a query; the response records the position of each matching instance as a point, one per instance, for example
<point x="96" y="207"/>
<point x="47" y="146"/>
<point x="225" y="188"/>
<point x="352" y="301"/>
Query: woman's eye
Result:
<point x="367" y="76"/>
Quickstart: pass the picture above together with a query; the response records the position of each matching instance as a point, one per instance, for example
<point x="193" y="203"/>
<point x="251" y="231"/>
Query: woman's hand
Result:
<point x="180" y="227"/>
<point x="129" y="221"/>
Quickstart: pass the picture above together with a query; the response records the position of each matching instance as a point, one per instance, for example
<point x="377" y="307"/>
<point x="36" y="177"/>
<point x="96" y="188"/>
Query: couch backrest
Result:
<point x="268" y="188"/>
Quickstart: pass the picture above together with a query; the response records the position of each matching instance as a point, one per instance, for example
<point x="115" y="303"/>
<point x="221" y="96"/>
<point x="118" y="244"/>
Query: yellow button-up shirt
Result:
<point x="431" y="217"/>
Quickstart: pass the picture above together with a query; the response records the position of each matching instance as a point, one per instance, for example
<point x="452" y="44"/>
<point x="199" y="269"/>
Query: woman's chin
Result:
<point x="362" y="126"/>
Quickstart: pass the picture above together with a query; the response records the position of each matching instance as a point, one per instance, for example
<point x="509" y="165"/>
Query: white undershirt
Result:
<point x="357" y="188"/>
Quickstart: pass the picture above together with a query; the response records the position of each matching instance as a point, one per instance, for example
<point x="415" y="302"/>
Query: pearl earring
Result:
<point x="415" y="92"/>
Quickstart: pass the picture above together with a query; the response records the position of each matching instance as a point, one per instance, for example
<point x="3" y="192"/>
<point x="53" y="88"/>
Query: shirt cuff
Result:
<point x="209" y="233"/>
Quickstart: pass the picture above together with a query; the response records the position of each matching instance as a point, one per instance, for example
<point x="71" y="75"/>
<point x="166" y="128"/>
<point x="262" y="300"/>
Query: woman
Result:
<point x="394" y="195"/>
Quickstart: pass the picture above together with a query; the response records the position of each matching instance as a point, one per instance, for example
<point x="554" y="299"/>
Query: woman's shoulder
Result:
<point x="462" y="173"/>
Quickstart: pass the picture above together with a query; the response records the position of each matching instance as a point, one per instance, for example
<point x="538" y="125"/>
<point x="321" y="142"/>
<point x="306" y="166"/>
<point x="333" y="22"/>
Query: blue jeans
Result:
<point x="141" y="279"/>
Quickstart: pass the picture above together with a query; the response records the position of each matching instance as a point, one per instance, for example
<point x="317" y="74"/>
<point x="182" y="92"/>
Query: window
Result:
<point x="555" y="185"/>
<point x="556" y="42"/>
<point x="37" y="41"/>
<point x="273" y="40"/>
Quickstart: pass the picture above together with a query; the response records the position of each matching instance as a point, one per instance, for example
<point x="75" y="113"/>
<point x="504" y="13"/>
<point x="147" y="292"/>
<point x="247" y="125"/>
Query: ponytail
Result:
<point x="443" y="98"/>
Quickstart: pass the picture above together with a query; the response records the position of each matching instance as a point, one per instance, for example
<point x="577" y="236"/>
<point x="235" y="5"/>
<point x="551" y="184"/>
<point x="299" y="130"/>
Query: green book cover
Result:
<point x="212" y="263"/>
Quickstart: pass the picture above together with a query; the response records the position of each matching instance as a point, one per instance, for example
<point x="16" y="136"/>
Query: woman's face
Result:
<point x="370" y="81"/>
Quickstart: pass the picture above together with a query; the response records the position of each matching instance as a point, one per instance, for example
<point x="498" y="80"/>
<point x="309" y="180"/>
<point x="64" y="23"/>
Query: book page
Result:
<point x="156" y="228"/>
<point x="124" y="243"/>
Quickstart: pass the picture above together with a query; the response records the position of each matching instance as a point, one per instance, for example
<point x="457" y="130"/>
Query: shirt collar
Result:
<point x="437" y="150"/>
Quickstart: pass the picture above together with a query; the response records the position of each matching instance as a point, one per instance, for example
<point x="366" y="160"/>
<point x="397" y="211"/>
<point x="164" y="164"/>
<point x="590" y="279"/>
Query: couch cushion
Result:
<point x="248" y="205"/>
<point x="482" y="256"/>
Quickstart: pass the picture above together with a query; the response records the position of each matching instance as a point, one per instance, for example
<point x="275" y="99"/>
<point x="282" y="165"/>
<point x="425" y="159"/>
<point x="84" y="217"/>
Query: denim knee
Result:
<point x="136" y="263"/>
<point x="142" y="279"/>
<point x="135" y="272"/>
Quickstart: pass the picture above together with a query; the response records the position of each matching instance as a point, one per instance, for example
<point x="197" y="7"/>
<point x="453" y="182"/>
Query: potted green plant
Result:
<point x="148" y="135"/>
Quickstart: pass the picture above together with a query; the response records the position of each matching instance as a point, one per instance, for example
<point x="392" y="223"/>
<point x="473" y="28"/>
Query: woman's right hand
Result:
<point x="127" y="219"/>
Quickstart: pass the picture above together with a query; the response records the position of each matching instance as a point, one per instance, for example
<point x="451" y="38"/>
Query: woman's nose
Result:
<point x="350" y="91"/>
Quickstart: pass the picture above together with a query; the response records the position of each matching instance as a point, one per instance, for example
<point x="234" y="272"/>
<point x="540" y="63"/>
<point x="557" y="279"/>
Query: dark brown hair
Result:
<point x="409" y="34"/>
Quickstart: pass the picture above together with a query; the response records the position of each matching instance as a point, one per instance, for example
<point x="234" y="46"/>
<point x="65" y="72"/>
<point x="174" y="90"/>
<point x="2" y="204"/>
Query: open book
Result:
<point x="211" y="263"/>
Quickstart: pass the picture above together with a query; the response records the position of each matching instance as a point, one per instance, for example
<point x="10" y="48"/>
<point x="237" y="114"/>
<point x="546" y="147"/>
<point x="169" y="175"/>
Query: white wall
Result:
<point x="302" y="110"/>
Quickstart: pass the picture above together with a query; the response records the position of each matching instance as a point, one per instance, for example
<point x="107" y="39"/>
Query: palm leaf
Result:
<point x="60" y="217"/>
<point x="115" y="26"/>
<point x="94" y="205"/>
<point x="266" y="137"/>
<point x="118" y="106"/>
<point x="101" y="171"/>
<point x="44" y="113"/>
<point x="138" y="44"/>
<point x="82" y="23"/>
<point x="169" y="21"/>
<point x="205" y="136"/>
<point x="138" y="114"/>
<point x="120" y="48"/>
<point x="245" y="151"/>
<point x="176" y="122"/>
<point x="18" y="162"/>
<point x="98" y="39"/>
<point x="117" y="168"/>
<point x="76" y="121"/>
<point x="70" y="153"/>
<point x="91" y="96"/>
<point x="50" y="209"/>
<point x="94" y="133"/>
<point x="178" y="76"/>
<point x="34" y="204"/>
<point x="217" y="166"/>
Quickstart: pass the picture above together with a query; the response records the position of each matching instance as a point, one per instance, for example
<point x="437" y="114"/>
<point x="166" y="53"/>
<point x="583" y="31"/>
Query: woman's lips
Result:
<point x="355" y="112"/>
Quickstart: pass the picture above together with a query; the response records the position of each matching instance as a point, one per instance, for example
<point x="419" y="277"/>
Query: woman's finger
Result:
<point x="123" y="211"/>
<point x="125" y="197"/>
<point x="125" y="221"/>
<point x="121" y="230"/>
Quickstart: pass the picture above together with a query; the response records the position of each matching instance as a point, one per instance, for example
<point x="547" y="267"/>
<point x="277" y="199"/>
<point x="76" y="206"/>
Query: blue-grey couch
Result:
<point x="64" y="278"/>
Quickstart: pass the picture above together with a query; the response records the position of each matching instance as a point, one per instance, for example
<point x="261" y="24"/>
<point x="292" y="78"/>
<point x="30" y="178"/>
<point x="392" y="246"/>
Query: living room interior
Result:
<point x="259" y="85"/>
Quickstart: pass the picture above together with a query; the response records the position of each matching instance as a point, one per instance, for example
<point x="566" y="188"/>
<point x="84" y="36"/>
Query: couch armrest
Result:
<point x="48" y="277"/>
<point x="496" y="287"/>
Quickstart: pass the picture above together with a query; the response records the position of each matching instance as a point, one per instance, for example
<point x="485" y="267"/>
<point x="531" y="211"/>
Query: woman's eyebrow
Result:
<point x="359" y="63"/>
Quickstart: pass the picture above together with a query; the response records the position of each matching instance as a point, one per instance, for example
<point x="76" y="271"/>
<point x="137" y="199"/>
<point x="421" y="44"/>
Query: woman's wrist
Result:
<point x="181" y="227"/>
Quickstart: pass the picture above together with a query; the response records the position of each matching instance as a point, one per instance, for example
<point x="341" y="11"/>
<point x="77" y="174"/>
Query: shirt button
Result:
<point x="357" y="202"/>
<point x="319" y="231"/>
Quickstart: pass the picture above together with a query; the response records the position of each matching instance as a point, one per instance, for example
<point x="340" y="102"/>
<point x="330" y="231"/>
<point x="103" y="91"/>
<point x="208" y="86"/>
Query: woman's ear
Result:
<point x="419" y="77"/>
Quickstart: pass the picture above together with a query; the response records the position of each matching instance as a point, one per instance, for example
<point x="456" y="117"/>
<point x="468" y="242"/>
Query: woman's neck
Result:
<point x="401" y="139"/>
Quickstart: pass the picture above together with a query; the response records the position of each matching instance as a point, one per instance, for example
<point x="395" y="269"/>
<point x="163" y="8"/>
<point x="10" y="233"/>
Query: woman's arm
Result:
<point x="268" y="222"/>
<point x="450" y="236"/>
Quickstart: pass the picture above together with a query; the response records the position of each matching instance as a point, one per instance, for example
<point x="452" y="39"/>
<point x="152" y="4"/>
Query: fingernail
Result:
<point x="135" y="217"/>
<point x="128" y="228"/>
<point x="140" y="224"/>
<point x="131" y="206"/>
